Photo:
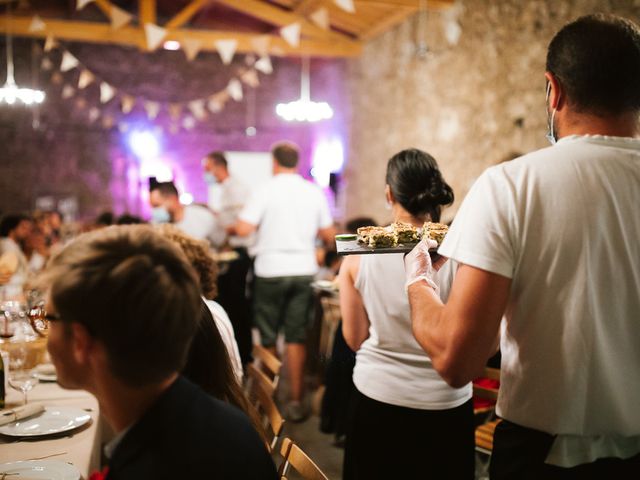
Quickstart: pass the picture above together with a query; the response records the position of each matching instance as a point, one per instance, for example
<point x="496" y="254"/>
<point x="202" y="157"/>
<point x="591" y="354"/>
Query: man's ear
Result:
<point x="557" y="95"/>
<point x="83" y="344"/>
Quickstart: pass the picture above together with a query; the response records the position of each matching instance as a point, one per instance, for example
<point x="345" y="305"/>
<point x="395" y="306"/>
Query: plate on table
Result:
<point x="325" y="285"/>
<point x="45" y="372"/>
<point x="52" y="421"/>
<point x="39" y="470"/>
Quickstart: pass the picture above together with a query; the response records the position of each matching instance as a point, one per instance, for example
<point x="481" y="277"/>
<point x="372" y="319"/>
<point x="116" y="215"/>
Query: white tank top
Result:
<point x="391" y="367"/>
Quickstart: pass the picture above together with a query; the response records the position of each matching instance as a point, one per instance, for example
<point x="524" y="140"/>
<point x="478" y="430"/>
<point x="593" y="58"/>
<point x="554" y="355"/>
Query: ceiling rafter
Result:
<point x="186" y="14"/>
<point x="147" y="11"/>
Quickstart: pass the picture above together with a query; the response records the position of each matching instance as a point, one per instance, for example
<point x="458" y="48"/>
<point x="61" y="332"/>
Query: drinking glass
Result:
<point x="20" y="378"/>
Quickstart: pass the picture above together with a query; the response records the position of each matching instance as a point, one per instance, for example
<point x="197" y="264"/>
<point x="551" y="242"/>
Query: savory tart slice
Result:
<point x="377" y="237"/>
<point x="406" y="232"/>
<point x="435" y="231"/>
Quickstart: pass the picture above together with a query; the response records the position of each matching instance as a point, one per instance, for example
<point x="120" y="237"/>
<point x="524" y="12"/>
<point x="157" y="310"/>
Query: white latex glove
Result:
<point x="418" y="265"/>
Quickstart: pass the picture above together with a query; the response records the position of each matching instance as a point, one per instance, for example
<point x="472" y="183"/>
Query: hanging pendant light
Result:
<point x="304" y="109"/>
<point x="10" y="93"/>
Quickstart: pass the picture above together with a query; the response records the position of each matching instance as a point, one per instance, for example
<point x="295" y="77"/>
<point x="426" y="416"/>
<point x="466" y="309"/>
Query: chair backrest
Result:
<point x="300" y="461"/>
<point x="267" y="409"/>
<point x="488" y="392"/>
<point x="268" y="363"/>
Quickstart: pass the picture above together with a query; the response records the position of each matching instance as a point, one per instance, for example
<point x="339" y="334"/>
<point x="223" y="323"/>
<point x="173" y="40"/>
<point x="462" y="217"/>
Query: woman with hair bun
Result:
<point x="406" y="422"/>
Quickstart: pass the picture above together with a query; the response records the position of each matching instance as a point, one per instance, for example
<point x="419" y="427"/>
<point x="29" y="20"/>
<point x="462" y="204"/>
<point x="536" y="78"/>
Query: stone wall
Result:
<point x="469" y="104"/>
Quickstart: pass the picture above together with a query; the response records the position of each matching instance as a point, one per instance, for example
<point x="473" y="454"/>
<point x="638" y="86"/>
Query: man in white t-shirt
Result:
<point x="195" y="220"/>
<point x="550" y="240"/>
<point x="232" y="282"/>
<point x="287" y="214"/>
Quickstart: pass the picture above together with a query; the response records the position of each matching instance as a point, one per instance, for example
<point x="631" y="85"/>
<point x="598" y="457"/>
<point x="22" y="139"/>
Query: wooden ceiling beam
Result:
<point x="147" y="11"/>
<point x="186" y="14"/>
<point x="94" y="32"/>
<point x="431" y="4"/>
<point x="281" y="18"/>
<point x="387" y="23"/>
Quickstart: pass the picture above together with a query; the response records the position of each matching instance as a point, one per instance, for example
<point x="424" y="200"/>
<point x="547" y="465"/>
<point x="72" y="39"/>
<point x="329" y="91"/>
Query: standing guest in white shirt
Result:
<point x="550" y="240"/>
<point x="232" y="284"/>
<point x="195" y="220"/>
<point x="287" y="214"/>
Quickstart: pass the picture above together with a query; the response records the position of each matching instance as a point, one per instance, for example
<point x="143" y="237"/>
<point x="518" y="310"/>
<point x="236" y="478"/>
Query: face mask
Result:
<point x="160" y="215"/>
<point x="210" y="178"/>
<point x="551" y="136"/>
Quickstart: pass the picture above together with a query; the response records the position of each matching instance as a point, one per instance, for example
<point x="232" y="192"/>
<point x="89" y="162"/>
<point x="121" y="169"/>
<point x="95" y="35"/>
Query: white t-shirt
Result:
<point x="233" y="195"/>
<point x="391" y="367"/>
<point x="563" y="224"/>
<point x="201" y="223"/>
<point x="288" y="211"/>
<point x="228" y="336"/>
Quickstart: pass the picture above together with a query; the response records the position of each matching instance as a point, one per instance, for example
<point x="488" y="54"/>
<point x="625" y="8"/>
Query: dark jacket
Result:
<point x="189" y="434"/>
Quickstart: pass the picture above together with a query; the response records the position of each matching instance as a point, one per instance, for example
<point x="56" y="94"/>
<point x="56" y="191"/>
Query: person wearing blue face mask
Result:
<point x="195" y="220"/>
<point x="232" y="284"/>
<point x="549" y="241"/>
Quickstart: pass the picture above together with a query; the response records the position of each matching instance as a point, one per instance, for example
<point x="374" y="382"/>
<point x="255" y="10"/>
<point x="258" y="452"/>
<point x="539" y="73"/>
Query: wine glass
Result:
<point x="20" y="378"/>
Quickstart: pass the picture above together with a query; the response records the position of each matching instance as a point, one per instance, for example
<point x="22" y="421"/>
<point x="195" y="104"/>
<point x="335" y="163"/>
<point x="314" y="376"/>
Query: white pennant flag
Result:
<point x="264" y="65"/>
<point x="189" y="122"/>
<point x="119" y="17"/>
<point x="68" y="91"/>
<point x="46" y="64"/>
<point x="250" y="77"/>
<point x="197" y="108"/>
<point x="127" y="103"/>
<point x="152" y="109"/>
<point x="235" y="89"/>
<point x="37" y="25"/>
<point x="68" y="62"/>
<point x="260" y="44"/>
<point x="94" y="113"/>
<point x="50" y="43"/>
<point x="80" y="4"/>
<point x="85" y="79"/>
<point x="155" y="35"/>
<point x="291" y="34"/>
<point x="107" y="92"/>
<point x="215" y="103"/>
<point x="321" y="18"/>
<point x="226" y="49"/>
<point x="191" y="48"/>
<point x="346" y="5"/>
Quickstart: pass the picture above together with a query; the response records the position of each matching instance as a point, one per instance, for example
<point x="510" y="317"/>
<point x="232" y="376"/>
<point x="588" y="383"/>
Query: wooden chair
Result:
<point x="267" y="363"/>
<point x="330" y="320"/>
<point x="261" y="395"/>
<point x="300" y="461"/>
<point x="484" y="432"/>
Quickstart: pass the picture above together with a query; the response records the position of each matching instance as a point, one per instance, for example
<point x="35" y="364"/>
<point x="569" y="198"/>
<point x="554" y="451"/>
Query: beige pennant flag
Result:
<point x="175" y="109"/>
<point x="80" y="4"/>
<point x="107" y="92"/>
<point x="37" y="25"/>
<point x="68" y="91"/>
<point x="321" y="18"/>
<point x="155" y="35"/>
<point x="107" y="122"/>
<point x="85" y="79"/>
<point x="68" y="62"/>
<point x="260" y="44"/>
<point x="50" y="43"/>
<point x="56" y="78"/>
<point x="226" y="49"/>
<point x="152" y="109"/>
<point x="191" y="48"/>
<point x="346" y="5"/>
<point x="123" y="127"/>
<point x="46" y="64"/>
<point x="234" y="88"/>
<point x="94" y="114"/>
<point x="119" y="17"/>
<point x="264" y="65"/>
<point x="189" y="122"/>
<point x="291" y="34"/>
<point x="127" y="103"/>
<point x="215" y="103"/>
<point x="197" y="108"/>
<point x="250" y="77"/>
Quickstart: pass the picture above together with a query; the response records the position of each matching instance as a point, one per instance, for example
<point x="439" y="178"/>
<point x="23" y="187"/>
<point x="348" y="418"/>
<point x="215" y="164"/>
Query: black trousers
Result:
<point x="232" y="295"/>
<point x="390" y="442"/>
<point x="519" y="453"/>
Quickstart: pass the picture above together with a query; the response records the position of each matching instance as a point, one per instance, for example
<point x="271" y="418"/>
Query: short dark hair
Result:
<point x="417" y="184"/>
<point x="218" y="158"/>
<point x="166" y="189"/>
<point x="105" y="218"/>
<point x="134" y="291"/>
<point x="596" y="59"/>
<point x="10" y="222"/>
<point x="286" y="154"/>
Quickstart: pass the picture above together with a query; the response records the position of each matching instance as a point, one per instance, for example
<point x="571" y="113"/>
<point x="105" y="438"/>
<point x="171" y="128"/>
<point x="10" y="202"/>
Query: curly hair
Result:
<point x="198" y="254"/>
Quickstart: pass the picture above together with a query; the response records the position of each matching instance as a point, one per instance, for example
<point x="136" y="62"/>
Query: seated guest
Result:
<point x="14" y="231"/>
<point x="195" y="220"/>
<point x="124" y="306"/>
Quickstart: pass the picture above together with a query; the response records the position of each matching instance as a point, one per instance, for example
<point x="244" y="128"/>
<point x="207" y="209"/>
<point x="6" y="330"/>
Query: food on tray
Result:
<point x="435" y="231"/>
<point x="377" y="236"/>
<point x="406" y="232"/>
<point x="345" y="237"/>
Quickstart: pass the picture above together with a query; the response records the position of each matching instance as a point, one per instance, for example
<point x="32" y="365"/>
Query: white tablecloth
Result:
<point x="80" y="448"/>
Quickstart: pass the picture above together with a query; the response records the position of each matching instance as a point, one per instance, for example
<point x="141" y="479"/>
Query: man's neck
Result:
<point x="626" y="125"/>
<point x="122" y="405"/>
<point x="178" y="214"/>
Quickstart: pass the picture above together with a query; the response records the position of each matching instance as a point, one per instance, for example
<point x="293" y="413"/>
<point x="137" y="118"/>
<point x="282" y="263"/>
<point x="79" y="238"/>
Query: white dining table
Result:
<point x="81" y="447"/>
